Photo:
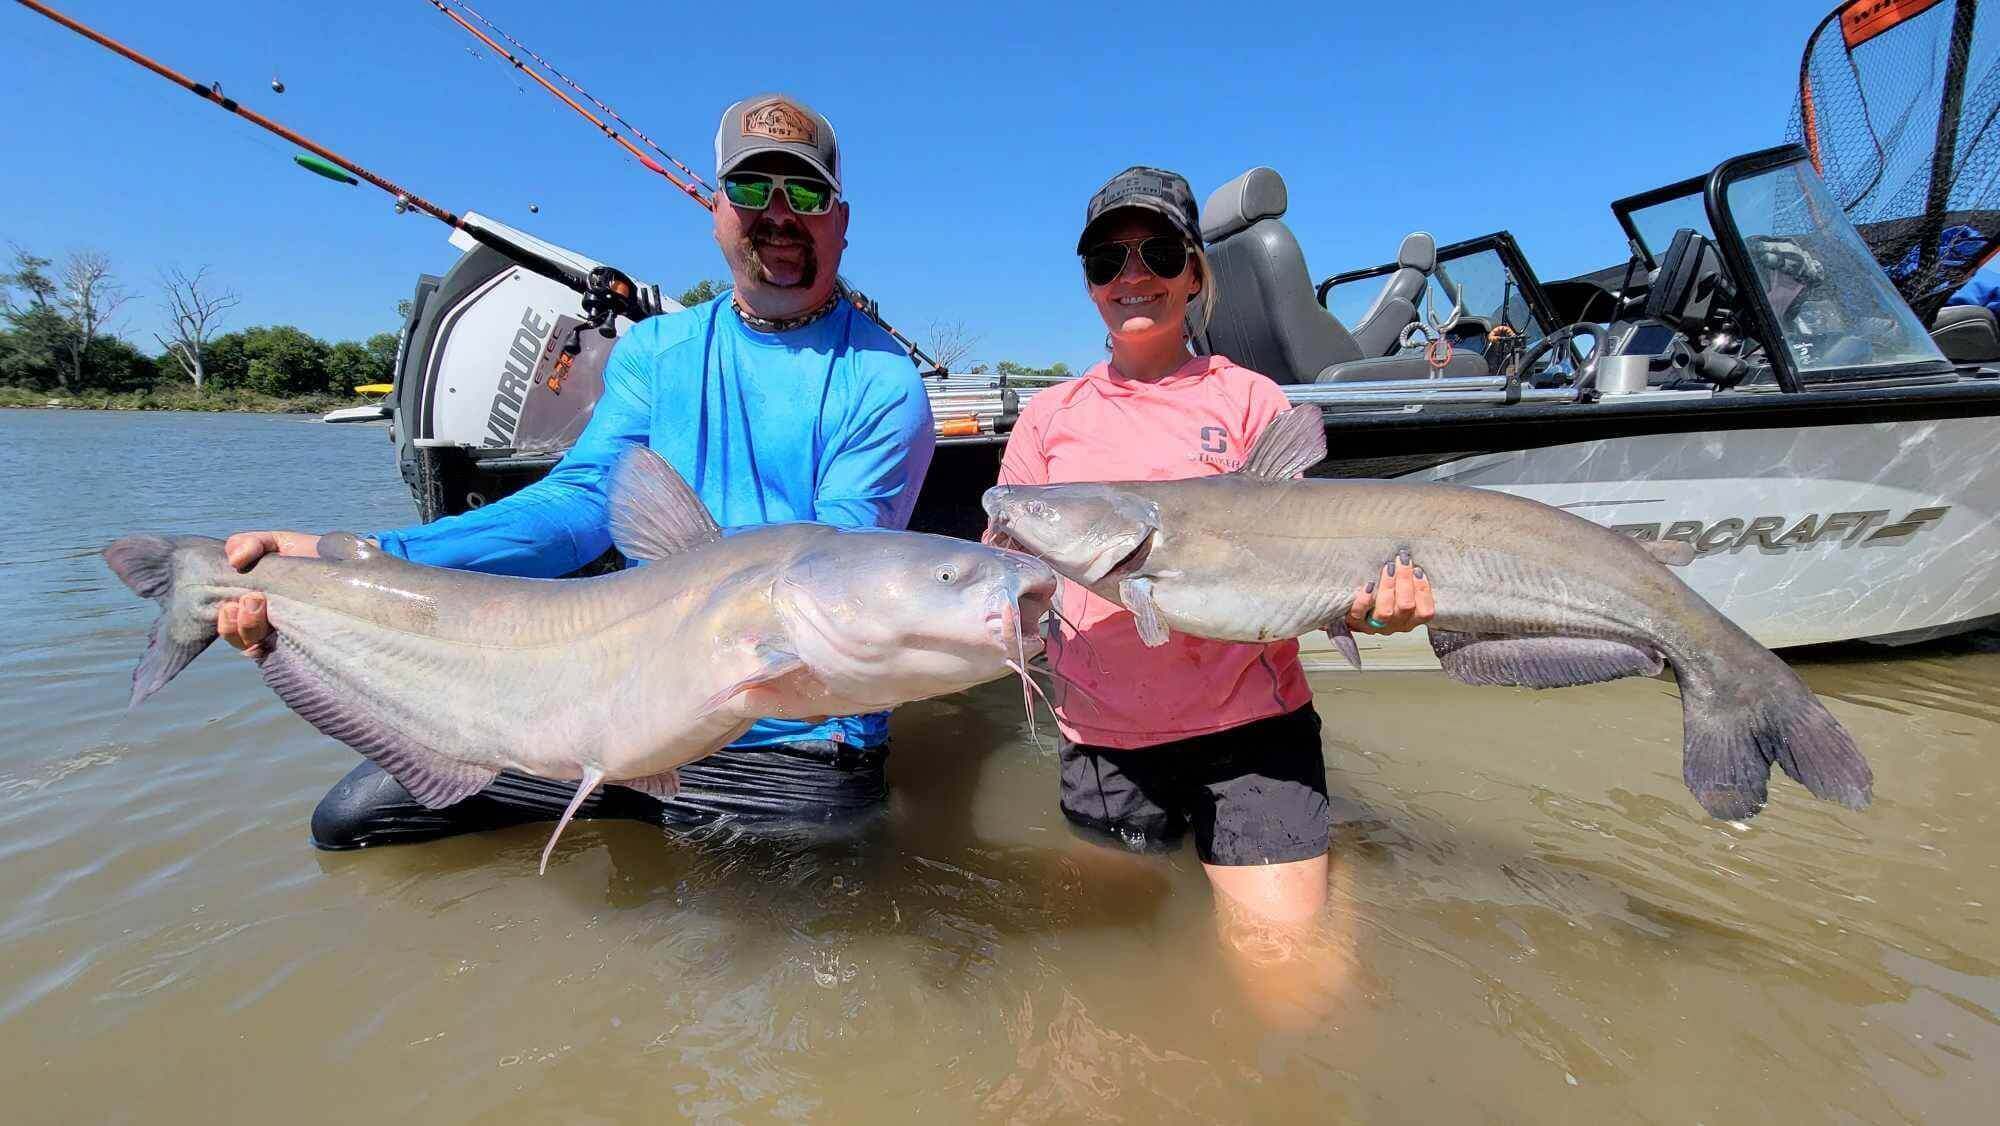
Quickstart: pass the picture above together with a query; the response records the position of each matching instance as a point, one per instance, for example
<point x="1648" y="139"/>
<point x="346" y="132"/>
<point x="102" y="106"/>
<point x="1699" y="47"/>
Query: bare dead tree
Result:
<point x="87" y="296"/>
<point x="195" y="308"/>
<point x="948" y="342"/>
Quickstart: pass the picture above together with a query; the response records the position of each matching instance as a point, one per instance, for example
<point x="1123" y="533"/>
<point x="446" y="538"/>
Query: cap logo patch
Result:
<point x="782" y="122"/>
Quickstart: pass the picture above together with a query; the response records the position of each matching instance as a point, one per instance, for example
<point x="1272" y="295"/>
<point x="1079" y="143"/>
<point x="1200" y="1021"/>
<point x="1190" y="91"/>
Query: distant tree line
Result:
<point x="1056" y="370"/>
<point x="58" y="333"/>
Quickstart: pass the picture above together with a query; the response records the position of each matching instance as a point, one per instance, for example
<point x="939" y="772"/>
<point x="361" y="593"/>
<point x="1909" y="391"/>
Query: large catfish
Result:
<point x="445" y="678"/>
<point x="1526" y="595"/>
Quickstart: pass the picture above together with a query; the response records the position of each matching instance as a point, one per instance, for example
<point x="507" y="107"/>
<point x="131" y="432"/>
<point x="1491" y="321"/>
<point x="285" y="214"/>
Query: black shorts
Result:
<point x="1254" y="794"/>
<point x="784" y="787"/>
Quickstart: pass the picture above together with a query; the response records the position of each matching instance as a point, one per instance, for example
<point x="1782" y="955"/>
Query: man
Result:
<point x="778" y="401"/>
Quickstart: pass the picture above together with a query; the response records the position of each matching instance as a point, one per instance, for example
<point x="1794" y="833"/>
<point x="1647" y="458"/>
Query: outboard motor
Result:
<point x="502" y="362"/>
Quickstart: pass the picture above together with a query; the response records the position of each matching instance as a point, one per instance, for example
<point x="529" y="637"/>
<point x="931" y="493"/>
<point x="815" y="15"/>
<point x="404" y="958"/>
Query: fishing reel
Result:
<point x="607" y="295"/>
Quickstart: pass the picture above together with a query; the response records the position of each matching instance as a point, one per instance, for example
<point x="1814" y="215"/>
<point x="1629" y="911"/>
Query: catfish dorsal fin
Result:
<point x="1292" y="443"/>
<point x="653" y="512"/>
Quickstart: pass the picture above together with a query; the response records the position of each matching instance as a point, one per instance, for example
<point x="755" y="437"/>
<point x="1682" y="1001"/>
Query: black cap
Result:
<point x="1155" y="189"/>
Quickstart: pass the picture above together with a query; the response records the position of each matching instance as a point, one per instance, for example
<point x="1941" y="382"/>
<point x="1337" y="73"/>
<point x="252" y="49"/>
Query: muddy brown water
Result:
<point x="1532" y="920"/>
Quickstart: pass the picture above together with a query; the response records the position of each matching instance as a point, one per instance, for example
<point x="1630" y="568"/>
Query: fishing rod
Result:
<point x="611" y="134"/>
<point x="867" y="307"/>
<point x="607" y="293"/>
<point x="212" y="93"/>
<point x="693" y="176"/>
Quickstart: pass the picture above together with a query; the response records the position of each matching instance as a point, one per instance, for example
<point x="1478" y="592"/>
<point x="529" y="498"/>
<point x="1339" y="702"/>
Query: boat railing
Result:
<point x="1469" y="389"/>
<point x="968" y="407"/>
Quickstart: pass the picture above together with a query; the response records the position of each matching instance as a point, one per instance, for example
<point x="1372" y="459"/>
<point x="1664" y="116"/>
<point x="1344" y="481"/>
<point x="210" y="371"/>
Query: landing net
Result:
<point x="1896" y="105"/>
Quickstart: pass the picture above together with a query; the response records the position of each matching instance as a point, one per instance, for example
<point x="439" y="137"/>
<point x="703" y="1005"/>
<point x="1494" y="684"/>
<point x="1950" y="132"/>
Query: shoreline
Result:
<point x="225" y="401"/>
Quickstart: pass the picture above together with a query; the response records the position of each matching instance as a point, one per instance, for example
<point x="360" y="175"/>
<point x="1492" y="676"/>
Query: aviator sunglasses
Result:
<point x="1165" y="255"/>
<point x="752" y="191"/>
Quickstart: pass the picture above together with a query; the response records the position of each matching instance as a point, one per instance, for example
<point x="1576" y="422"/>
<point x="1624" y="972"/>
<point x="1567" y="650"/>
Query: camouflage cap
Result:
<point x="1154" y="189"/>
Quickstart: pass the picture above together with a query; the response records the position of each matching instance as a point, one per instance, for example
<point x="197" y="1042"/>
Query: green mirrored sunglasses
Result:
<point x="752" y="191"/>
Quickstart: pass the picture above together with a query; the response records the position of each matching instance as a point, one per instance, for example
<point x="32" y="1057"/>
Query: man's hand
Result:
<point x="244" y="622"/>
<point x="1397" y="602"/>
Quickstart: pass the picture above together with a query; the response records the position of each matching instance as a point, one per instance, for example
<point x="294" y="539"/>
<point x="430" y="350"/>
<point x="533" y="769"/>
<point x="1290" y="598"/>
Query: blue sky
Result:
<point x="972" y="139"/>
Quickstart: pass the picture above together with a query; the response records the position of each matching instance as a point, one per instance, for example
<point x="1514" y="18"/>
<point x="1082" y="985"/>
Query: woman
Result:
<point x="1210" y="736"/>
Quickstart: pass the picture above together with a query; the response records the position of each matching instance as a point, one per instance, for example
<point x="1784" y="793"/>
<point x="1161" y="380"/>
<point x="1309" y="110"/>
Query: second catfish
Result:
<point x="1526" y="595"/>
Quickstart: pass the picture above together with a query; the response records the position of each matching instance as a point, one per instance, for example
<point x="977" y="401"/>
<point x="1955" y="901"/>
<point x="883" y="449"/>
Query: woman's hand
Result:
<point x="244" y="622"/>
<point x="1397" y="602"/>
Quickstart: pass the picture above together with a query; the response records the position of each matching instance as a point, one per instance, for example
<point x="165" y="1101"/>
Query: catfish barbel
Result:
<point x="445" y="678"/>
<point x="1526" y="595"/>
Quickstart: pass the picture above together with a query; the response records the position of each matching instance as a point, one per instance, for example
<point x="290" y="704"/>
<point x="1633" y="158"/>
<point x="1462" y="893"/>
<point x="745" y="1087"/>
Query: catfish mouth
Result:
<point x="1035" y="607"/>
<point x="1134" y="560"/>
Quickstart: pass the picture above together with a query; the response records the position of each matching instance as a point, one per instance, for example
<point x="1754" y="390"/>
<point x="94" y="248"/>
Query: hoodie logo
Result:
<point x="1214" y="440"/>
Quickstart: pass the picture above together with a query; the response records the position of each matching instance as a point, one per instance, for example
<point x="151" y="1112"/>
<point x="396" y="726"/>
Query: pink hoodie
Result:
<point x="1198" y="421"/>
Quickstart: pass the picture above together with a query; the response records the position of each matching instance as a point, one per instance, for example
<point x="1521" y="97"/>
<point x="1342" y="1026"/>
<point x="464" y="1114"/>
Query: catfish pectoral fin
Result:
<point x="1137" y="595"/>
<point x="772" y="665"/>
<point x="1343" y="640"/>
<point x="592" y="778"/>
<point x="1670" y="553"/>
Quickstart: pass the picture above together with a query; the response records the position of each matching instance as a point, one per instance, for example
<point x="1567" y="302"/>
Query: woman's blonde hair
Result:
<point x="1197" y="323"/>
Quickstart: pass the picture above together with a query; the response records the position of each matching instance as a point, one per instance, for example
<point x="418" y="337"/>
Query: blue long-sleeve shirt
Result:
<point x="1980" y="289"/>
<point x="825" y="423"/>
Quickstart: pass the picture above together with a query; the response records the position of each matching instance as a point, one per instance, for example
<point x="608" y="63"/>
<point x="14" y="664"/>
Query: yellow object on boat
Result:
<point x="375" y="389"/>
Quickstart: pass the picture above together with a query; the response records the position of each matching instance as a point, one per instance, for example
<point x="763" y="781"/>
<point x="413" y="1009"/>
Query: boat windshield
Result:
<point x="1835" y="307"/>
<point x="1477" y="284"/>
<point x="1656" y="224"/>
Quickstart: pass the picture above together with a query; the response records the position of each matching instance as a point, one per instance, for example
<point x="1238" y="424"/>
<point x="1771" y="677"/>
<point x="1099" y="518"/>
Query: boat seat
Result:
<point x="1409" y="365"/>
<point x="1380" y="330"/>
<point x="1967" y="333"/>
<point x="1266" y="317"/>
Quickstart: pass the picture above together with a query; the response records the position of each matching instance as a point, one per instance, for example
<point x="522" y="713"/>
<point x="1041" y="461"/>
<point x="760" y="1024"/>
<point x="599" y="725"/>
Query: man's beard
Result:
<point x="761" y="233"/>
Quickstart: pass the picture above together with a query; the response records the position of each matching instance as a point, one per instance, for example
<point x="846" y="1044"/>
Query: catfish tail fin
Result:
<point x="1760" y="715"/>
<point x="157" y="567"/>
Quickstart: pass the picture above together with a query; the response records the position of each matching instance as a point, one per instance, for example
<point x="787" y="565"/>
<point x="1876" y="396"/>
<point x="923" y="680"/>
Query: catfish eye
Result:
<point x="946" y="573"/>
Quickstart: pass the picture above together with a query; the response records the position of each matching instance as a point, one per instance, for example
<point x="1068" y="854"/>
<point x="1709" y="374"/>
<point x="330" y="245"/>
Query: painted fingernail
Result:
<point x="1390" y="570"/>
<point x="1403" y="557"/>
<point x="1370" y="588"/>
<point x="1418" y="572"/>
